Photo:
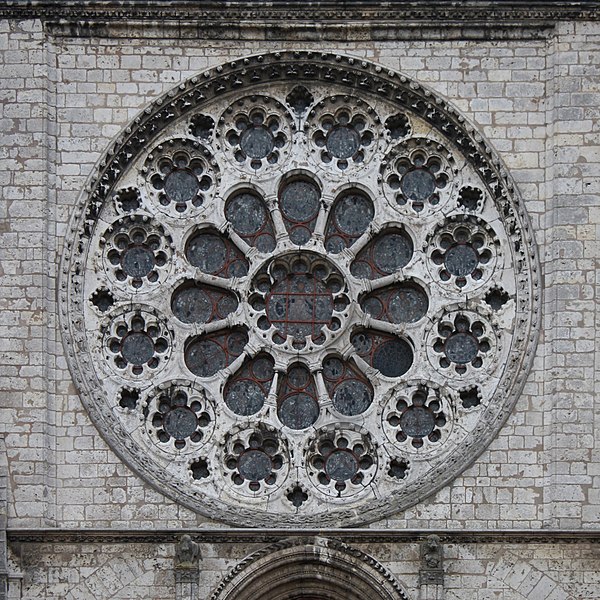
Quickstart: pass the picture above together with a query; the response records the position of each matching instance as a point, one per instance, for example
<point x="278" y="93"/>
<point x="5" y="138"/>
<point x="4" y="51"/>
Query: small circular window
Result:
<point x="300" y="291"/>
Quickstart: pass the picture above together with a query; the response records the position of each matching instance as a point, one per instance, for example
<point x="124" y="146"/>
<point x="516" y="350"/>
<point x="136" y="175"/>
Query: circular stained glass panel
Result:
<point x="418" y="184"/>
<point x="245" y="397"/>
<point x="181" y="186"/>
<point x="299" y="306"/>
<point x="205" y="357"/>
<point x="343" y="141"/>
<point x="207" y="252"/>
<point x="392" y="252"/>
<point x="246" y="213"/>
<point x="341" y="465"/>
<point x="393" y="358"/>
<point x="255" y="465"/>
<point x="461" y="348"/>
<point x="300" y="201"/>
<point x="137" y="261"/>
<point x="417" y="421"/>
<point x="353" y="214"/>
<point x="352" y="397"/>
<point x="137" y="348"/>
<point x="257" y="142"/>
<point x="180" y="422"/>
<point x="461" y="260"/>
<point x="192" y="305"/>
<point x="298" y="411"/>
<point x="408" y="305"/>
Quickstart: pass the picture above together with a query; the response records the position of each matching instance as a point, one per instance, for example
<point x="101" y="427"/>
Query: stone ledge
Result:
<point x="288" y="29"/>
<point x="156" y="536"/>
<point x="484" y="11"/>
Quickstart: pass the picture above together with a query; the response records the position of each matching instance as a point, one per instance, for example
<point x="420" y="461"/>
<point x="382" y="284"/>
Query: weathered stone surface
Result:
<point x="527" y="80"/>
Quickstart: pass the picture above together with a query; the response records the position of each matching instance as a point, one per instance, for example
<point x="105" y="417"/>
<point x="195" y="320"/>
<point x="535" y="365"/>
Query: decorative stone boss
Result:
<point x="299" y="289"/>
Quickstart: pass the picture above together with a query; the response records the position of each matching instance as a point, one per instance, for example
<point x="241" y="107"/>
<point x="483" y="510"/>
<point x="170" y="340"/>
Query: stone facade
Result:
<point x="76" y="521"/>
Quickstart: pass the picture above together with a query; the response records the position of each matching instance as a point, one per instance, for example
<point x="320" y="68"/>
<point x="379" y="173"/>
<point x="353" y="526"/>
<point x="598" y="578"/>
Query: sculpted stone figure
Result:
<point x="432" y="552"/>
<point x="187" y="552"/>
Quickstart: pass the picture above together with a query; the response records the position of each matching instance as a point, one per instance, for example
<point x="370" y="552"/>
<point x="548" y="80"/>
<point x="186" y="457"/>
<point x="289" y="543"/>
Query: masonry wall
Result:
<point x="535" y="97"/>
<point x="484" y="571"/>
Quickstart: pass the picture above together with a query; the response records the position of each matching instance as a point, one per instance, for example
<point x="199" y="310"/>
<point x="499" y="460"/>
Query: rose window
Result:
<point x="301" y="290"/>
<point x="179" y="417"/>
<point x="136" y="252"/>
<point x="419" y="175"/>
<point x="345" y="130"/>
<point x="463" y="252"/>
<point x="417" y="415"/>
<point x="180" y="175"/>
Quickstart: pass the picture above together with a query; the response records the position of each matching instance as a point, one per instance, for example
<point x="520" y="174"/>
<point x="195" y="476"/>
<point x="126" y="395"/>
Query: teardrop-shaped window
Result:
<point x="250" y="219"/>
<point x="350" y="217"/>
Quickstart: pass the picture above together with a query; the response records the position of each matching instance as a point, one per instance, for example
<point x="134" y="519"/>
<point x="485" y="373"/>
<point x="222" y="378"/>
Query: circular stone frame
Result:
<point x="345" y="75"/>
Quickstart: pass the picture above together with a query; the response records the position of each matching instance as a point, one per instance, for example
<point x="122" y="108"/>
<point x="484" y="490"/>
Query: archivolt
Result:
<point x="315" y="569"/>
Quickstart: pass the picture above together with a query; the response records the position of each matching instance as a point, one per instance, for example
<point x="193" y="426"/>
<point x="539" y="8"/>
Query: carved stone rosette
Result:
<point x="299" y="290"/>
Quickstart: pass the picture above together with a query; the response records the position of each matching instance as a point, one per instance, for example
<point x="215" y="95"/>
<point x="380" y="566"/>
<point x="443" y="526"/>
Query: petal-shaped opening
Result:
<point x="403" y="303"/>
<point x="349" y="389"/>
<point x="350" y="217"/>
<point x="247" y="390"/>
<point x="250" y="219"/>
<point x="391" y="355"/>
<point x="207" y="354"/>
<point x="214" y="254"/>
<point x="299" y="203"/>
<point x="193" y="302"/>
<point x="387" y="253"/>
<point x="297" y="401"/>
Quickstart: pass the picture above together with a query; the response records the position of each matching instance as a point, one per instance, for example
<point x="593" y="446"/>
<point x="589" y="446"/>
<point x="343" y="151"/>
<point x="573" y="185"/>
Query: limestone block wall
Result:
<point x="66" y="91"/>
<point x="512" y="571"/>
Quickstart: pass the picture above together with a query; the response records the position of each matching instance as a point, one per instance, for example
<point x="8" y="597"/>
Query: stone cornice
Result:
<point x="483" y="12"/>
<point x="253" y="536"/>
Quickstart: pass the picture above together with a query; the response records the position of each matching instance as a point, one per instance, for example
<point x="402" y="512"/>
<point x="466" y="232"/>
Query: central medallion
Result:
<point x="300" y="298"/>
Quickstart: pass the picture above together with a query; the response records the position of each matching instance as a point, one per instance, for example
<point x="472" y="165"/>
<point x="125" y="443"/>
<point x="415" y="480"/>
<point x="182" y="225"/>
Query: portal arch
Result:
<point x="309" y="569"/>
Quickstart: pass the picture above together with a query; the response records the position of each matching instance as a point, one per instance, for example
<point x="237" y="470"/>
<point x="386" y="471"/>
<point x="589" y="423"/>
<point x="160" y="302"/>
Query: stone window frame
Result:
<point x="357" y="76"/>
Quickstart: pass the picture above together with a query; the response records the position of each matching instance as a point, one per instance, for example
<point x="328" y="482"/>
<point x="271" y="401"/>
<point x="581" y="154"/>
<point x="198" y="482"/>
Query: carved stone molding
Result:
<point x="327" y="10"/>
<point x="301" y="567"/>
<point x="269" y="536"/>
<point x="355" y="21"/>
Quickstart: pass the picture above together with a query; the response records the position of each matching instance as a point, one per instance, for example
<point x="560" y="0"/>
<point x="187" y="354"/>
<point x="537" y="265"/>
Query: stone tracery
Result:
<point x="319" y="279"/>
